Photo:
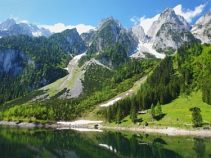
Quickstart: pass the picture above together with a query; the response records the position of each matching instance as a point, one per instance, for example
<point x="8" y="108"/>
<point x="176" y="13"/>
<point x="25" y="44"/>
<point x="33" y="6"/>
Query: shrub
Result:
<point x="196" y="117"/>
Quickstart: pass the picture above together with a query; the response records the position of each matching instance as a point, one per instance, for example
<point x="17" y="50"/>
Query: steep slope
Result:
<point x="202" y="28"/>
<point x="71" y="85"/>
<point x="167" y="16"/>
<point x="169" y="32"/>
<point x="109" y="33"/>
<point x="12" y="62"/>
<point x="28" y="63"/>
<point x="166" y="34"/>
<point x="69" y="41"/>
<point x="185" y="74"/>
<point x="11" y="28"/>
<point x="139" y="33"/>
<point x="88" y="37"/>
<point x="77" y="93"/>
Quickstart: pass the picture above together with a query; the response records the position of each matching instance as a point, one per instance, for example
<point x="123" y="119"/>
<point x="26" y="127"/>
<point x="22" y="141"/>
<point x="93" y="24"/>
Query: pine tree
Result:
<point x="109" y="114"/>
<point x="196" y="117"/>
<point x="133" y="112"/>
<point x="158" y="109"/>
<point x="152" y="111"/>
<point x="118" y="115"/>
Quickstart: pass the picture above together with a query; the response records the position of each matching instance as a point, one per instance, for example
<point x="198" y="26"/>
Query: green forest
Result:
<point x="188" y="71"/>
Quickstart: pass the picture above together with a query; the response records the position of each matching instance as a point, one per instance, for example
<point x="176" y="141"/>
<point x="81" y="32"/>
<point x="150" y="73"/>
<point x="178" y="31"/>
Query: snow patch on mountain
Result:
<point x="145" y="48"/>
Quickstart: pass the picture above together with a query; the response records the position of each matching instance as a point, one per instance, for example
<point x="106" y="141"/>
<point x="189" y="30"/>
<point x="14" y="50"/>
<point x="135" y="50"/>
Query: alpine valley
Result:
<point x="123" y="77"/>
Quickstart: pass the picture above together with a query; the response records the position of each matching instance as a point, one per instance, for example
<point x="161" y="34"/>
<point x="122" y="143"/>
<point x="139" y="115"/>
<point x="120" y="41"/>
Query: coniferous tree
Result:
<point x="133" y="112"/>
<point x="152" y="111"/>
<point x="158" y="109"/>
<point x="196" y="117"/>
<point x="109" y="114"/>
<point x="118" y="115"/>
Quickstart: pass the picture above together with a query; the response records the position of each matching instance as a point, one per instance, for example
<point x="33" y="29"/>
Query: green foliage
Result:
<point x="74" y="46"/>
<point x="96" y="78"/>
<point x="45" y="65"/>
<point x="109" y="115"/>
<point x="182" y="73"/>
<point x="113" y="56"/>
<point x="133" y="111"/>
<point x="131" y="68"/>
<point x="29" y="112"/>
<point x="196" y="117"/>
<point x="206" y="90"/>
<point x="119" y="110"/>
<point x="118" y="115"/>
<point x="158" y="109"/>
<point x="153" y="111"/>
<point x="97" y="88"/>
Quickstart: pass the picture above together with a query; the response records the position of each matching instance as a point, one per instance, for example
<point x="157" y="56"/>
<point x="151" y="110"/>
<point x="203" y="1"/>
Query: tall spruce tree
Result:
<point x="159" y="109"/>
<point x="152" y="111"/>
<point x="133" y="111"/>
<point x="196" y="117"/>
<point x="118" y="115"/>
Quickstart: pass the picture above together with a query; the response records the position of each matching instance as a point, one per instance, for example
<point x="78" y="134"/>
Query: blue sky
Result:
<point x="73" y="12"/>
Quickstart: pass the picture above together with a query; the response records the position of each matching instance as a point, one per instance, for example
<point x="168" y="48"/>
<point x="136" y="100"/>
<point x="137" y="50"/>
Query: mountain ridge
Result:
<point x="102" y="63"/>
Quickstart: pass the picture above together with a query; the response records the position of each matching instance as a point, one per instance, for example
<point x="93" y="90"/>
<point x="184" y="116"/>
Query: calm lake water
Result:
<point x="42" y="143"/>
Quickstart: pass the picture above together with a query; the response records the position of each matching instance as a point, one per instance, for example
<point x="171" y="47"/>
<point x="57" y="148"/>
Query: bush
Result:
<point x="196" y="117"/>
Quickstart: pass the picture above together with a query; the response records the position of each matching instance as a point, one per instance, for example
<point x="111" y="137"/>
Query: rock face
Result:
<point x="70" y="41"/>
<point x="202" y="29"/>
<point x="170" y="31"/>
<point x="11" y="28"/>
<point x="110" y="32"/>
<point x="168" y="16"/>
<point x="138" y="32"/>
<point x="88" y="37"/>
<point x="12" y="61"/>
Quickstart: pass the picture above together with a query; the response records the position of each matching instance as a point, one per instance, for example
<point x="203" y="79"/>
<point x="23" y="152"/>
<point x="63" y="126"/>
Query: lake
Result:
<point x="52" y="143"/>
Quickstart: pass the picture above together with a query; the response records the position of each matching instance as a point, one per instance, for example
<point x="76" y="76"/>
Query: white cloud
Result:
<point x="23" y="21"/>
<point x="187" y="13"/>
<point x="146" y="23"/>
<point x="59" y="27"/>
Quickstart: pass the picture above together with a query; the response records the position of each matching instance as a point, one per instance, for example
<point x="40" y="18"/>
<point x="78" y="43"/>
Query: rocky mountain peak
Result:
<point x="5" y="25"/>
<point x="138" y="32"/>
<point x="10" y="27"/>
<point x="202" y="28"/>
<point x="168" y="16"/>
<point x="110" y="21"/>
<point x="169" y="12"/>
<point x="70" y="41"/>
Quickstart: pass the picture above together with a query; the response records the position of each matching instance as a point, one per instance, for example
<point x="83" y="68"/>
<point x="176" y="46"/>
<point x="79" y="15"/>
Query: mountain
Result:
<point x="202" y="28"/>
<point x="12" y="62"/>
<point x="88" y="37"/>
<point x="11" y="28"/>
<point x="27" y="63"/>
<point x="179" y="82"/>
<point x="69" y="41"/>
<point x="169" y="32"/>
<point x="35" y="71"/>
<point x="110" y="32"/>
<point x="168" y="16"/>
<point x="138" y="32"/>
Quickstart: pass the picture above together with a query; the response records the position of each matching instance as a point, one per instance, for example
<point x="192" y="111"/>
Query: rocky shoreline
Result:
<point x="170" y="131"/>
<point x="27" y="125"/>
<point x="87" y="125"/>
<point x="59" y="125"/>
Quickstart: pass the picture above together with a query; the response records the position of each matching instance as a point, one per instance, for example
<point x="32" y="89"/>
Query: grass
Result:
<point x="177" y="113"/>
<point x="65" y="82"/>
